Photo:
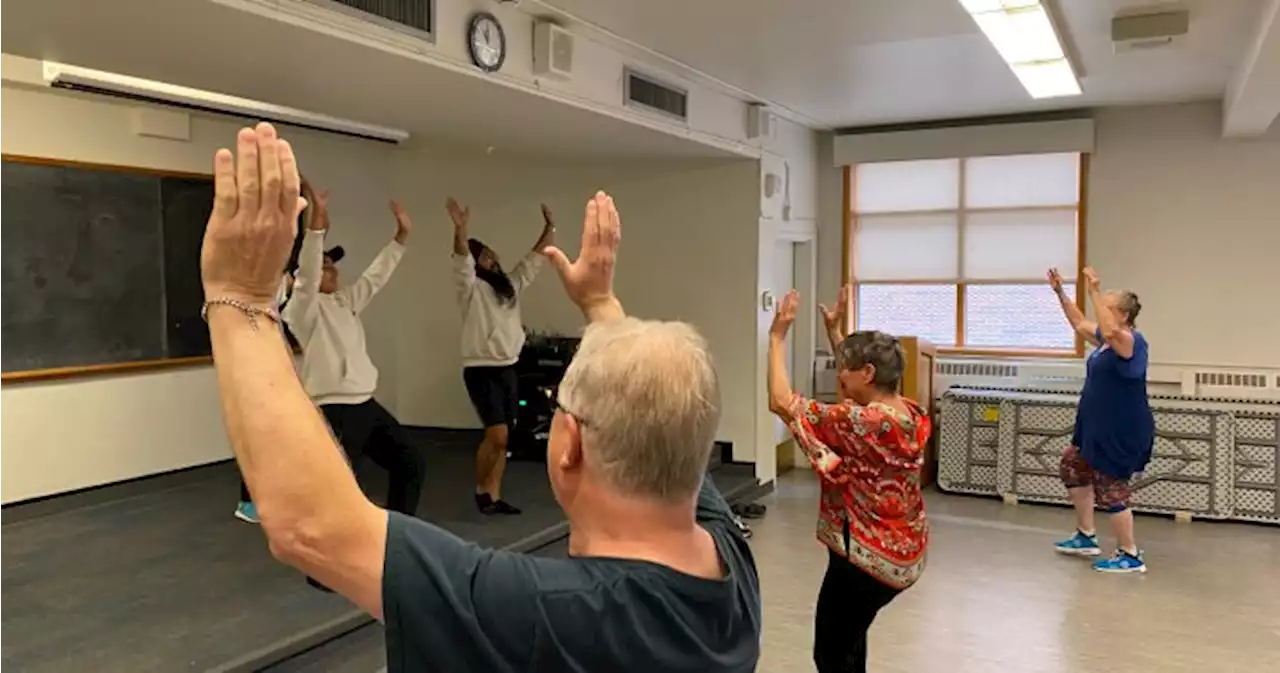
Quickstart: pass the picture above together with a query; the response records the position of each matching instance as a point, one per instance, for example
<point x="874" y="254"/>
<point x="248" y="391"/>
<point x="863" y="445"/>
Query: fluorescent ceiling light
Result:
<point x="1048" y="79"/>
<point x="1023" y="35"/>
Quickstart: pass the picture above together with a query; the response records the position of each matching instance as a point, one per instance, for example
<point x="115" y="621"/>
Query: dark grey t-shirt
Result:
<point x="451" y="606"/>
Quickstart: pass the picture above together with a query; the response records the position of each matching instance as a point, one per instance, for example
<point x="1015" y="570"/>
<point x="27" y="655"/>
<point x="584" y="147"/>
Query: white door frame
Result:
<point x="803" y="234"/>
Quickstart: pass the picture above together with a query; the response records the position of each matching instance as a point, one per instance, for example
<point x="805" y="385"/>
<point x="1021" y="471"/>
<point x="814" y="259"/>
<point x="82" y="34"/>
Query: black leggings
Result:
<point x="369" y="429"/>
<point x="847" y="604"/>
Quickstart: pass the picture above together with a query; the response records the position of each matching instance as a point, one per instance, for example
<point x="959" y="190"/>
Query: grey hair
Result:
<point x="879" y="350"/>
<point x="647" y="397"/>
<point x="1127" y="302"/>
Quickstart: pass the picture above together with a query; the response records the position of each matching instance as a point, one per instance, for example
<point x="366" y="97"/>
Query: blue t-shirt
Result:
<point x="1114" y="426"/>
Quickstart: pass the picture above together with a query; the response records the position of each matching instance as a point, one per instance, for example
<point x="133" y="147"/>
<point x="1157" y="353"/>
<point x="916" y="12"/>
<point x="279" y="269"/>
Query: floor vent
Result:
<point x="988" y="369"/>
<point x="1233" y="380"/>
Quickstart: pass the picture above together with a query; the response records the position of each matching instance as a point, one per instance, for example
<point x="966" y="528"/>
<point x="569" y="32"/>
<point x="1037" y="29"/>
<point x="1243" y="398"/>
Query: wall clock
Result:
<point x="487" y="42"/>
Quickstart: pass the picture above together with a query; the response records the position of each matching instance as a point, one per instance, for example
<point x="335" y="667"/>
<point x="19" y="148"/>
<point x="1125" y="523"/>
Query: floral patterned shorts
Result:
<point x="1109" y="493"/>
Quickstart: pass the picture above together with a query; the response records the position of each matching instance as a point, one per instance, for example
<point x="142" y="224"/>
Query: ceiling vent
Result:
<point x="650" y="94"/>
<point x="1141" y="32"/>
<point x="417" y="16"/>
<point x="552" y="51"/>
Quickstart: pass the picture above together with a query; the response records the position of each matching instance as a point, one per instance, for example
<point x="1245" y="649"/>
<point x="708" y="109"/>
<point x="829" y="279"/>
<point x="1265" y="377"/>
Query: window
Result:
<point x="955" y="250"/>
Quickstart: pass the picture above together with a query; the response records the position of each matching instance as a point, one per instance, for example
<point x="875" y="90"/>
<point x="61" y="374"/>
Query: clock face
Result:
<point x="487" y="41"/>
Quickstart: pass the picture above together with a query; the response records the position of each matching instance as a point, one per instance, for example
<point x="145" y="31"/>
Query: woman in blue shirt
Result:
<point x="1114" y="430"/>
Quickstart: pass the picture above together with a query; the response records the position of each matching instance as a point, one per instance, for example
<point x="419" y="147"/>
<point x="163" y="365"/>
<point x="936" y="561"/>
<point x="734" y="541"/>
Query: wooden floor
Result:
<point x="996" y="598"/>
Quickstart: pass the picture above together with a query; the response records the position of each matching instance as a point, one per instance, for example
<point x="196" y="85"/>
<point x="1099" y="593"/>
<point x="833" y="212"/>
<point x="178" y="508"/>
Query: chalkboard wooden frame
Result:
<point x="111" y="368"/>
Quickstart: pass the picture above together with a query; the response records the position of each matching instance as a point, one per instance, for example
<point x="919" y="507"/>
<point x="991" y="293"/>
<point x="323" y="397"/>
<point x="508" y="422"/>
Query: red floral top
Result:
<point x="869" y="461"/>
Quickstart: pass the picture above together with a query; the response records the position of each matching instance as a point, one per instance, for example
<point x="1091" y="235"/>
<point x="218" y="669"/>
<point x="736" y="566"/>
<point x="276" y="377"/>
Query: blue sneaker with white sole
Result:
<point x="1121" y="562"/>
<point x="1079" y="545"/>
<point x="246" y="511"/>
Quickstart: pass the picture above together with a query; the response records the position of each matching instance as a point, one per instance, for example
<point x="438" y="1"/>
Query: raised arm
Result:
<point x="1083" y="326"/>
<point x="780" y="391"/>
<point x="792" y="408"/>
<point x="464" y="266"/>
<point x="313" y="512"/>
<point x="300" y="312"/>
<point x="360" y="293"/>
<point x="1118" y="336"/>
<point x="527" y="269"/>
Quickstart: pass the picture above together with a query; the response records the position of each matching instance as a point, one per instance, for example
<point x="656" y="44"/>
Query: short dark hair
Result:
<point x="878" y="349"/>
<point x="1129" y="304"/>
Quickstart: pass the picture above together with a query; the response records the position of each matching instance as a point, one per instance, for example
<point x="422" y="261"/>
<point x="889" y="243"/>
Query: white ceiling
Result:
<point x="859" y="62"/>
<point x="336" y="77"/>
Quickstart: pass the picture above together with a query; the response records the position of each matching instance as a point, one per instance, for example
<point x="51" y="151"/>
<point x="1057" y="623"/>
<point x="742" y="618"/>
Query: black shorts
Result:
<point x="493" y="393"/>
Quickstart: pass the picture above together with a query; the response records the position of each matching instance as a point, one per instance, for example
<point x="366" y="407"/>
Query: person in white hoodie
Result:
<point x="492" y="337"/>
<point x="336" y="370"/>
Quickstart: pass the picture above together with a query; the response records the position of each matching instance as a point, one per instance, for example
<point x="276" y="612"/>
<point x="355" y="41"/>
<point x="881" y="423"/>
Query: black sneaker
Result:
<point x="316" y="585"/>
<point x="483" y="502"/>
<point x="504" y="507"/>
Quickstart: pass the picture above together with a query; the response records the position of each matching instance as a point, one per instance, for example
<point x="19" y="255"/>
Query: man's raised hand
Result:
<point x="588" y="280"/>
<point x="257" y="199"/>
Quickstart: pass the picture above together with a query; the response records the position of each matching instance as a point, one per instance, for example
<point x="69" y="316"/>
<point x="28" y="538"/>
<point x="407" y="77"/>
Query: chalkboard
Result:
<point x="101" y="266"/>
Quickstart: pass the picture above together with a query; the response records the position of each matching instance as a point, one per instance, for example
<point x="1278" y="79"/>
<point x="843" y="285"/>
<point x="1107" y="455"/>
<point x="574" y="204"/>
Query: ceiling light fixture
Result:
<point x="1023" y="35"/>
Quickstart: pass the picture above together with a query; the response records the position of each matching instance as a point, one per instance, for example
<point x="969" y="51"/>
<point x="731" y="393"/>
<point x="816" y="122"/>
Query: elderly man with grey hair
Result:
<point x="658" y="579"/>
<point x="867" y="450"/>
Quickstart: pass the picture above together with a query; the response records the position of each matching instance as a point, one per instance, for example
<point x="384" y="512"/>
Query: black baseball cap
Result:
<point x="335" y="254"/>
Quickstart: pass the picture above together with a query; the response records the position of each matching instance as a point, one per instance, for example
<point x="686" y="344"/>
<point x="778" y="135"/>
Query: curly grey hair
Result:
<point x="879" y="350"/>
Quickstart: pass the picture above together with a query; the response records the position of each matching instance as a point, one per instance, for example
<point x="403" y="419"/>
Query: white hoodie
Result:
<point x="336" y="368"/>
<point x="492" y="334"/>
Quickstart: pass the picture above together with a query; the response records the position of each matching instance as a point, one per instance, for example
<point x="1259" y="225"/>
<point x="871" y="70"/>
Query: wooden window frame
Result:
<point x="849" y="241"/>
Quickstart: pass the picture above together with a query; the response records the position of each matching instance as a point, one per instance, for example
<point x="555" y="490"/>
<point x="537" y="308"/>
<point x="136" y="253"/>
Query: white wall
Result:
<point x="1189" y="221"/>
<point x="689" y="253"/>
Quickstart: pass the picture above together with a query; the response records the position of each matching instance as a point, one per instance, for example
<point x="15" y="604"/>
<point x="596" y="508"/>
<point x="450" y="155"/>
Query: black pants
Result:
<point x="493" y="393"/>
<point x="244" y="492"/>
<point x="847" y="604"/>
<point x="367" y="429"/>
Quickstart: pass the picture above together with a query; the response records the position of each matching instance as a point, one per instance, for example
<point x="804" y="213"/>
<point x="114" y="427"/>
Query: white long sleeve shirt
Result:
<point x="336" y="368"/>
<point x="492" y="334"/>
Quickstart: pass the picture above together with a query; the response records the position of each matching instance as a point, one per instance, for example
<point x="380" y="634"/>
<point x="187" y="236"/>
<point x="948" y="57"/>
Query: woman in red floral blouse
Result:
<point x="867" y="453"/>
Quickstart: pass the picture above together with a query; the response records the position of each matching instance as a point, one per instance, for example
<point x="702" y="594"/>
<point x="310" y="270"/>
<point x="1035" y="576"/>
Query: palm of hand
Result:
<point x="786" y="313"/>
<point x="832" y="318"/>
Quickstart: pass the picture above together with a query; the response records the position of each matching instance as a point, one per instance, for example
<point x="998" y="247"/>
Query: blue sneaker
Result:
<point x="245" y="511"/>
<point x="1121" y="562"/>
<point x="1079" y="545"/>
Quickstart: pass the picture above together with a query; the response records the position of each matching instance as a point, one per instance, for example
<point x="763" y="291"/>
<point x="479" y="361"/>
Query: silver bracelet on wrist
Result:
<point x="248" y="309"/>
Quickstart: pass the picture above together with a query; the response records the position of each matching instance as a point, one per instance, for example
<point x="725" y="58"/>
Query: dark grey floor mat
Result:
<point x="169" y="581"/>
